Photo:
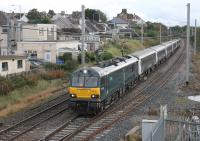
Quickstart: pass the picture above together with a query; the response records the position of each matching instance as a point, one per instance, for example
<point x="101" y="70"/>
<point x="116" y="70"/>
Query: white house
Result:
<point x="11" y="64"/>
<point x="118" y="23"/>
<point x="46" y="50"/>
<point x="39" y="32"/>
<point x="3" y="42"/>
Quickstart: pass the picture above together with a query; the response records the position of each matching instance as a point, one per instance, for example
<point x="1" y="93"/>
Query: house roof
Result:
<point x="63" y="22"/>
<point x="118" y="21"/>
<point x="125" y="30"/>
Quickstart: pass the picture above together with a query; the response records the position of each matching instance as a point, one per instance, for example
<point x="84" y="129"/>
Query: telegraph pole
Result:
<point x="160" y="34"/>
<point x="142" y="34"/>
<point x="195" y="37"/>
<point x="83" y="36"/>
<point x="170" y="32"/>
<point x="188" y="44"/>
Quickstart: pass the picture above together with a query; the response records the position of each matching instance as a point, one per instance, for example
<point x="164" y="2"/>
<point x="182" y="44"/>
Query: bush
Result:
<point x="104" y="56"/>
<point x="20" y="81"/>
<point x="69" y="65"/>
<point x="151" y="33"/>
<point x="55" y="74"/>
<point x="89" y="57"/>
<point x="66" y="57"/>
<point x="5" y="87"/>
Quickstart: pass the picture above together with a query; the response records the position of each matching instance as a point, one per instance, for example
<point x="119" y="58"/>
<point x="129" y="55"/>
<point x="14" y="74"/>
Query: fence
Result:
<point x="175" y="130"/>
<point x="180" y="130"/>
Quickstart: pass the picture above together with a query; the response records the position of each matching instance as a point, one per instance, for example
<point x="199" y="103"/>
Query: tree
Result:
<point x="44" y="18"/>
<point x="96" y="15"/>
<point x="51" y="13"/>
<point x="35" y="17"/>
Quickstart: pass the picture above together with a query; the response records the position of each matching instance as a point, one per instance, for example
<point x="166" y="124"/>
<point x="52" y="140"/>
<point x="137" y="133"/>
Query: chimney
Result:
<point x="124" y="11"/>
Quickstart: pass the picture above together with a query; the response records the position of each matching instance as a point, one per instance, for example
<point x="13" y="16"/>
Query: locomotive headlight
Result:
<point x="85" y="71"/>
<point x="72" y="95"/>
<point x="94" y="96"/>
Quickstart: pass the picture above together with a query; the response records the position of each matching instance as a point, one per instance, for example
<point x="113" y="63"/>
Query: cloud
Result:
<point x="170" y="12"/>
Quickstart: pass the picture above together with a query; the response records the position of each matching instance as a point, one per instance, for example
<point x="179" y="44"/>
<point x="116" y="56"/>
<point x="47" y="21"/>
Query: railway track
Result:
<point x="31" y="122"/>
<point x="87" y="130"/>
<point x="74" y="124"/>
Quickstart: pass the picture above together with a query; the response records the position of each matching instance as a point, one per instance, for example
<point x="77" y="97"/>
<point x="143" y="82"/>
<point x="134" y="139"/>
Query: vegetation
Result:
<point x="36" y="17"/>
<point x="51" y="13"/>
<point x="127" y="46"/>
<point x="67" y="66"/>
<point x="198" y="37"/>
<point x="96" y="15"/>
<point x="27" y="95"/>
<point x="8" y="85"/>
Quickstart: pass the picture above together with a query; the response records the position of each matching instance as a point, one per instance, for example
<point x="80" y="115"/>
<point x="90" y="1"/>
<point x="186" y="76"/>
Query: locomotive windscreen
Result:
<point x="86" y="81"/>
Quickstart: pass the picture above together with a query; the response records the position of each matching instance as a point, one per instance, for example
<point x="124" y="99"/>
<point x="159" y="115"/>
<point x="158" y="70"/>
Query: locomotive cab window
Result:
<point x="84" y="81"/>
<point x="77" y="81"/>
<point x="91" y="81"/>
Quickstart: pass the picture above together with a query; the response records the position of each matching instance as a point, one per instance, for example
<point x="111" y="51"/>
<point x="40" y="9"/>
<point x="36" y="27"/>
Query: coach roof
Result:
<point x="143" y="53"/>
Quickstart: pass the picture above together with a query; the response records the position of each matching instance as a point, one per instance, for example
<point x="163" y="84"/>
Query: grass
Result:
<point x="26" y="96"/>
<point x="195" y="85"/>
<point x="129" y="46"/>
<point x="181" y="100"/>
<point x="114" y="51"/>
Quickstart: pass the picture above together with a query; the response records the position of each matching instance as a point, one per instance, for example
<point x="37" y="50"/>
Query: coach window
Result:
<point x="19" y="64"/>
<point x="5" y="66"/>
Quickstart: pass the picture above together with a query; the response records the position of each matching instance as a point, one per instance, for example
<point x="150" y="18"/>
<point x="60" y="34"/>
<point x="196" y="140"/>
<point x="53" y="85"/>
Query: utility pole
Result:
<point x="195" y="37"/>
<point x="170" y="32"/>
<point x="142" y="34"/>
<point x="160" y="34"/>
<point x="188" y="44"/>
<point x="168" y="36"/>
<point x="83" y="36"/>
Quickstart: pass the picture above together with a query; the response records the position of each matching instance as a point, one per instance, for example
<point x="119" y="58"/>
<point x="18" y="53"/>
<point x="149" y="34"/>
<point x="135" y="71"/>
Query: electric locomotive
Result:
<point x="92" y="88"/>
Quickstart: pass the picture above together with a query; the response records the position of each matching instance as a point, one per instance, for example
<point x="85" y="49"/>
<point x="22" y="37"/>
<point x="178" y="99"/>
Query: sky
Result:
<point x="169" y="12"/>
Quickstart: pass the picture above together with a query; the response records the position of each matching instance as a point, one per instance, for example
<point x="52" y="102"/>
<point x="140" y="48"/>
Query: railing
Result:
<point x="182" y="130"/>
<point x="175" y="130"/>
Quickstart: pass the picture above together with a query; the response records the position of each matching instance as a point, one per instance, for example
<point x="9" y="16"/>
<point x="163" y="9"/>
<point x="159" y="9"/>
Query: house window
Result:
<point x="41" y="31"/>
<point x="5" y="30"/>
<point x="5" y="66"/>
<point x="52" y="30"/>
<point x="19" y="64"/>
<point x="47" y="56"/>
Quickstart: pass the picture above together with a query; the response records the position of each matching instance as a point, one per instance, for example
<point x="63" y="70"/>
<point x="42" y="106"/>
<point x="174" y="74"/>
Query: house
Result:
<point x="11" y="64"/>
<point x="93" y="42"/>
<point x="39" y="32"/>
<point x="3" y="34"/>
<point x="63" y="22"/>
<point x="118" y="23"/>
<point x="21" y="17"/>
<point x="9" y="33"/>
<point x="130" y="17"/>
<point x="46" y="50"/>
<point x="3" y="41"/>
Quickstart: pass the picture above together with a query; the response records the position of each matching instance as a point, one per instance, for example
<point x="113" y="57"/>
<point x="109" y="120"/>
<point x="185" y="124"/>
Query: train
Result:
<point x="94" y="88"/>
